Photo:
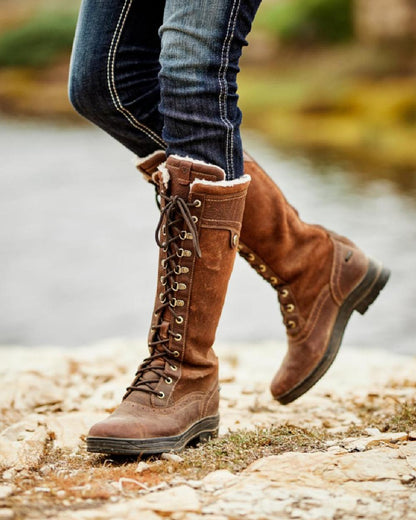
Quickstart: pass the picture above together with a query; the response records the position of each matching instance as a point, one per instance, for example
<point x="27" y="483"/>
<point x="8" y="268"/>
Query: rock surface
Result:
<point x="50" y="397"/>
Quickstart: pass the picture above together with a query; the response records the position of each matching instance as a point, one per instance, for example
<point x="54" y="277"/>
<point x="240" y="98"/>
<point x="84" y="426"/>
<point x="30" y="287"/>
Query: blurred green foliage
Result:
<point x="309" y="21"/>
<point x="39" y="40"/>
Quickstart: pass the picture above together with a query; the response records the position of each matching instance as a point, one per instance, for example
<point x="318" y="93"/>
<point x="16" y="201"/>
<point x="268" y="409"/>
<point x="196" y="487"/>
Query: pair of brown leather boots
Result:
<point x="320" y="279"/>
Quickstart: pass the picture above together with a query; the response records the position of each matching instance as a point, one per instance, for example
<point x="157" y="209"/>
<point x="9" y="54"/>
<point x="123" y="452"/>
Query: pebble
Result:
<point x="142" y="466"/>
<point x="9" y="474"/>
<point x="5" y="491"/>
<point x="172" y="457"/>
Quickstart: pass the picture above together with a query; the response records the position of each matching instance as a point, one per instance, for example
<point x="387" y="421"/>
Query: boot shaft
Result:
<point x="198" y="233"/>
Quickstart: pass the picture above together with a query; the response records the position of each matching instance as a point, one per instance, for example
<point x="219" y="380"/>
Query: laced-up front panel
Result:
<point x="177" y="238"/>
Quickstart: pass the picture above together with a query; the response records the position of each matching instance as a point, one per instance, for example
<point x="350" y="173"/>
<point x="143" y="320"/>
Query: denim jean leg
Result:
<point x="114" y="70"/>
<point x="202" y="41"/>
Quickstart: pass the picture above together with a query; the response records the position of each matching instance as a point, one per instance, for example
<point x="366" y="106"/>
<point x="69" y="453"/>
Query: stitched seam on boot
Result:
<point x="211" y="397"/>
<point x="336" y="273"/>
<point x="314" y="315"/>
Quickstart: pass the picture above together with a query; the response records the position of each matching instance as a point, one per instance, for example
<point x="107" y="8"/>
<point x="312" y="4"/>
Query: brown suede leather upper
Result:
<point x="314" y="270"/>
<point x="187" y="314"/>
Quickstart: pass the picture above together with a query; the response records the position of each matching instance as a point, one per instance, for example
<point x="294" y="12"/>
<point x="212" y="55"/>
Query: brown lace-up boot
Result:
<point x="174" y="396"/>
<point x="319" y="276"/>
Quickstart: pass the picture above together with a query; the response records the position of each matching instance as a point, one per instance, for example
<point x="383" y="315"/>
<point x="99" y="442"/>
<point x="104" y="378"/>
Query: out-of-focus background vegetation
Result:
<point x="328" y="76"/>
<point x="328" y="93"/>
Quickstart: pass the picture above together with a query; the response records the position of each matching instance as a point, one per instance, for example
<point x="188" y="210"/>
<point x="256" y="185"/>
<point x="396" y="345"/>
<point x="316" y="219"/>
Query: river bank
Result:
<point x="346" y="449"/>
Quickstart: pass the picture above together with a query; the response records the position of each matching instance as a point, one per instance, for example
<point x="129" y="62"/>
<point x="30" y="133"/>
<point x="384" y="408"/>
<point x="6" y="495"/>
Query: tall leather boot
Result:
<point x="174" y="396"/>
<point x="320" y="279"/>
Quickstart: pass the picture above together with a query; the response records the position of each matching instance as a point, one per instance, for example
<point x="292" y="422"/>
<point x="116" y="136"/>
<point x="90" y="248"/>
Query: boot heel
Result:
<point x="362" y="305"/>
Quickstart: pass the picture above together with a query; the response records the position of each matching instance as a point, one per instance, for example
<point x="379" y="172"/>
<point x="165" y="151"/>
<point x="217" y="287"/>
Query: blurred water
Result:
<point x="78" y="258"/>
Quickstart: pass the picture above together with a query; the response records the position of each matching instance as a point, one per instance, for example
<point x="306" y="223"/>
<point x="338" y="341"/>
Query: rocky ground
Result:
<point x="345" y="450"/>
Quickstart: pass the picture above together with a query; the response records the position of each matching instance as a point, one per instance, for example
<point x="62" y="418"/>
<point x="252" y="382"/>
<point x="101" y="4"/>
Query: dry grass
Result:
<point x="403" y="418"/>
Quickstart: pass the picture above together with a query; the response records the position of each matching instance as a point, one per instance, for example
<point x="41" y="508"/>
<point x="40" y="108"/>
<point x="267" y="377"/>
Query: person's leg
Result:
<point x="114" y="75"/>
<point x="114" y="70"/>
<point x="201" y="45"/>
<point x="174" y="395"/>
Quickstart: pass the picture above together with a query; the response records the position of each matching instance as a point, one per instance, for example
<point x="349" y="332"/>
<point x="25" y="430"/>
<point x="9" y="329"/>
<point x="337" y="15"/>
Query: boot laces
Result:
<point x="175" y="215"/>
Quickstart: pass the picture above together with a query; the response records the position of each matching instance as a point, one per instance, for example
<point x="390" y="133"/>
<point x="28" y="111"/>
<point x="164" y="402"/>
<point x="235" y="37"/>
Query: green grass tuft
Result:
<point x="236" y="450"/>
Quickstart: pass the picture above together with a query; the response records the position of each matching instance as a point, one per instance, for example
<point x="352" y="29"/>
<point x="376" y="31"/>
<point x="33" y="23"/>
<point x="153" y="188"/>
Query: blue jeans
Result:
<point x="162" y="75"/>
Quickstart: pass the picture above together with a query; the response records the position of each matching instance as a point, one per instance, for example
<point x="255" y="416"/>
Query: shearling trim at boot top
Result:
<point x="147" y="166"/>
<point x="137" y="161"/>
<point x="224" y="184"/>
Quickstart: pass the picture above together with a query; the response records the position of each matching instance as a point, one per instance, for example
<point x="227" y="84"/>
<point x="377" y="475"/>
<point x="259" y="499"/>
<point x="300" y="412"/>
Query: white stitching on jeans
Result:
<point x="111" y="78"/>
<point x="225" y="52"/>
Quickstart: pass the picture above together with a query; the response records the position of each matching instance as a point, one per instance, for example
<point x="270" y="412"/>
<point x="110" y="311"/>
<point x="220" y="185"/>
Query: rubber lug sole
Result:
<point x="359" y="300"/>
<point x="201" y="431"/>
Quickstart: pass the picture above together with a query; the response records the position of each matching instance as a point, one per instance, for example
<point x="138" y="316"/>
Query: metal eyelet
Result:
<point x="174" y="368"/>
<point x="175" y="353"/>
<point x="291" y="324"/>
<point x="177" y="286"/>
<point x="162" y="298"/>
<point x="163" y="263"/>
<point x="168" y="380"/>
<point x="274" y="280"/>
<point x="181" y="270"/>
<point x="251" y="257"/>
<point x="235" y="240"/>
<point x="197" y="203"/>
<point x="164" y="230"/>
<point x="161" y="395"/>
<point x="262" y="268"/>
<point x="179" y="320"/>
<point x="163" y="280"/>
<point x="185" y="235"/>
<point x="290" y="307"/>
<point x="178" y="337"/>
<point x="176" y="303"/>
<point x="284" y="293"/>
<point x="195" y="219"/>
<point x="183" y="252"/>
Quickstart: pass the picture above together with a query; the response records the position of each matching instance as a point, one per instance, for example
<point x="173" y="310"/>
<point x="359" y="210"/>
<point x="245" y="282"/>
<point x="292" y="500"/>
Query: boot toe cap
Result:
<point x="116" y="427"/>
